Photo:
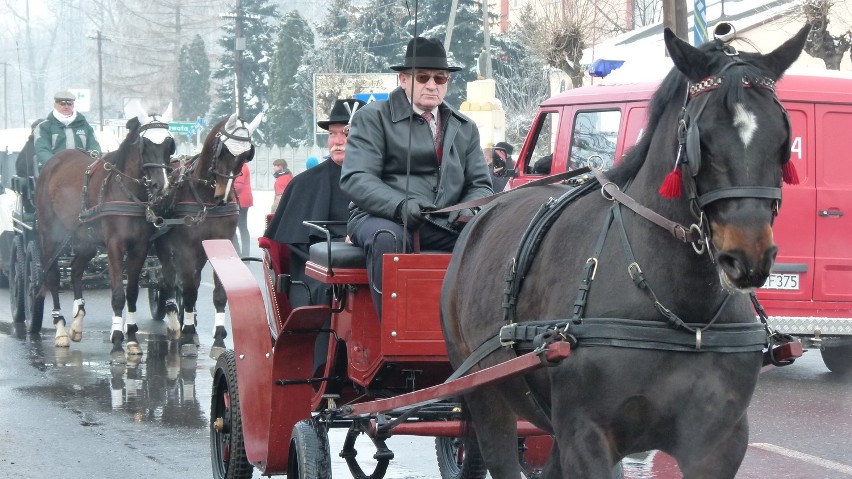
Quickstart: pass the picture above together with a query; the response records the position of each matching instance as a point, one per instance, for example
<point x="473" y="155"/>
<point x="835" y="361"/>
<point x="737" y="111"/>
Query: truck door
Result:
<point x="792" y="277"/>
<point x="833" y="258"/>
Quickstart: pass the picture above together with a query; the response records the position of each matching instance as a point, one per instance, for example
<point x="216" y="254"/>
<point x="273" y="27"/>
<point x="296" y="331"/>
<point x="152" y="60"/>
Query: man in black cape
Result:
<point x="314" y="195"/>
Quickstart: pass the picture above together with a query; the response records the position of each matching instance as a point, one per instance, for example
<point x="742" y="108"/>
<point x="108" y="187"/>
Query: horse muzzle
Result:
<point x="744" y="257"/>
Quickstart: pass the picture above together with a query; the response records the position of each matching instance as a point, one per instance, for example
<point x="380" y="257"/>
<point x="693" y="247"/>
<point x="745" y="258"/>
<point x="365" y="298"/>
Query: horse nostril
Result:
<point x="732" y="264"/>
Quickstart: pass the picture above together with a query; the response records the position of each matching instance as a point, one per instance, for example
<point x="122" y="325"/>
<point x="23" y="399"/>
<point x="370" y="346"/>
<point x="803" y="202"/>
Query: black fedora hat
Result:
<point x="341" y="112"/>
<point x="430" y="56"/>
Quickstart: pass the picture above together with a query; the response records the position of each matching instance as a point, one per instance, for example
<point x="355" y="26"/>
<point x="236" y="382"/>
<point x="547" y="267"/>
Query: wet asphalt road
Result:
<point x="72" y="413"/>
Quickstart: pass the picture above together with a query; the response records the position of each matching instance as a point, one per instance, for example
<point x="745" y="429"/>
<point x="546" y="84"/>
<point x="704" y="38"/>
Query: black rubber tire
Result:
<point x="459" y="458"/>
<point x="157" y="303"/>
<point x="18" y="288"/>
<point x="227" y="445"/>
<point x="34" y="299"/>
<point x="310" y="456"/>
<point x="838" y="359"/>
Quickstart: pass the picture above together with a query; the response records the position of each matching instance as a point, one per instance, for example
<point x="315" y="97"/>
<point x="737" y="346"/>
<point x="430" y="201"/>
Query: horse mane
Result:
<point x="672" y="92"/>
<point x="124" y="149"/>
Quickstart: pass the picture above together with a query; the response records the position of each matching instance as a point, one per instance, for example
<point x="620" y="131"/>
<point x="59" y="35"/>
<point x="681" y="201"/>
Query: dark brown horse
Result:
<point x="201" y="207"/>
<point x="83" y="202"/>
<point x="684" y="387"/>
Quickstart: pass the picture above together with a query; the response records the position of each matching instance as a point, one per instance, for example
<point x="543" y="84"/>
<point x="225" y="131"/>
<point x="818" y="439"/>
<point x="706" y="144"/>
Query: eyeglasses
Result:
<point x="423" y="78"/>
<point x="65" y="102"/>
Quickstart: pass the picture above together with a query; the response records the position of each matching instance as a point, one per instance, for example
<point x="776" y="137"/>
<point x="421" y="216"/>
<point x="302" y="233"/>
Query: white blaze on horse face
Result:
<point x="745" y="122"/>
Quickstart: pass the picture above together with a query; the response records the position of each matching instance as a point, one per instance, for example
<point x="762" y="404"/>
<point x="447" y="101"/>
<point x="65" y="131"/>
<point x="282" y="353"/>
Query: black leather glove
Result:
<point x="413" y="211"/>
<point x="455" y="217"/>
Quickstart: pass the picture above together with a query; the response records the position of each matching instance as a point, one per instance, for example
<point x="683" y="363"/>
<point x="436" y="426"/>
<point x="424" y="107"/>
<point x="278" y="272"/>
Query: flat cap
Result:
<point x="64" y="95"/>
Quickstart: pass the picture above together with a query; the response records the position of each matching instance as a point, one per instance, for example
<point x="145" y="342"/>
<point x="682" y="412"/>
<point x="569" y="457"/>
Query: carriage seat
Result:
<point x="337" y="262"/>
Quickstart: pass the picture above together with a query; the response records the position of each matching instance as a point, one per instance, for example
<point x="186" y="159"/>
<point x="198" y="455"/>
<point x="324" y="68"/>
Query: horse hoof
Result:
<point x="133" y="349"/>
<point x="189" y="350"/>
<point x="216" y="351"/>
<point x="62" y="342"/>
<point x="76" y="336"/>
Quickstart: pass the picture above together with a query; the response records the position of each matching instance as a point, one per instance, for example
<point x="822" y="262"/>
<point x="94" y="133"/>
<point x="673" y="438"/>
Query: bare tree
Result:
<point x="827" y="44"/>
<point x="559" y="31"/>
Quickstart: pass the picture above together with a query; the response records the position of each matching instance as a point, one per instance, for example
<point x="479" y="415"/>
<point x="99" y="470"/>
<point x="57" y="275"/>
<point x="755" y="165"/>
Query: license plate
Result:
<point x="782" y="281"/>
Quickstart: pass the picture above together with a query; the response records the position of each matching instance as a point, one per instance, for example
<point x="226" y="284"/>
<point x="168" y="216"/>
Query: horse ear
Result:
<point x="780" y="59"/>
<point x="254" y="123"/>
<point x="133" y="109"/>
<point x="167" y="115"/>
<point x="689" y="60"/>
<point x="231" y="124"/>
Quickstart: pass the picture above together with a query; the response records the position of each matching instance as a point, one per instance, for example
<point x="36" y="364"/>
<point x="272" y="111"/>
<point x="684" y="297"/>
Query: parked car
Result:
<point x="809" y="293"/>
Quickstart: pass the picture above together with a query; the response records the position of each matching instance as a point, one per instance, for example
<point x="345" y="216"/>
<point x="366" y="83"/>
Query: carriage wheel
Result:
<point x="382" y="456"/>
<point x="309" y="451"/>
<point x="18" y="273"/>
<point x="227" y="445"/>
<point x="459" y="458"/>
<point x="34" y="299"/>
<point x="838" y="359"/>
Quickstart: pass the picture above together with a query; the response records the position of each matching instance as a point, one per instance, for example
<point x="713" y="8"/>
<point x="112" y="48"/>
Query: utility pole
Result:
<point x="176" y="104"/>
<point x="451" y="23"/>
<point x="239" y="46"/>
<point x="5" y="98"/>
<point x="486" y="33"/>
<point x="100" y="82"/>
<point x="674" y="17"/>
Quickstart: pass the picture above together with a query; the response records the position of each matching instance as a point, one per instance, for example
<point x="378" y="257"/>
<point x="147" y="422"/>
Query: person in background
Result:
<point x="282" y="177"/>
<point x="242" y="188"/>
<point x="407" y="156"/>
<point x="311" y="162"/>
<point x="501" y="164"/>
<point x="314" y="195"/>
<point x="63" y="129"/>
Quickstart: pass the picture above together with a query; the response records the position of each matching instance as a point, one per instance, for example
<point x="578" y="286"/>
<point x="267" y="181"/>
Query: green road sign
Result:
<point x="181" y="128"/>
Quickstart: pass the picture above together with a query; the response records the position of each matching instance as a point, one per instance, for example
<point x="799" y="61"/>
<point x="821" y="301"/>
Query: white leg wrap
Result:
<point x="117" y="398"/>
<point x="131" y="318"/>
<point x="189" y="319"/>
<point x="219" y="320"/>
<point x="78" y="305"/>
<point x="117" y="324"/>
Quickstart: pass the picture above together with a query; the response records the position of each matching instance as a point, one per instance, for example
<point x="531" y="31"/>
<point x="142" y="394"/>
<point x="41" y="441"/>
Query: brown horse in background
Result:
<point x="201" y="207"/>
<point x="83" y="201"/>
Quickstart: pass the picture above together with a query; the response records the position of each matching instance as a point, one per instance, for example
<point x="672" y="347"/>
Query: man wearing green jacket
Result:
<point x="63" y="129"/>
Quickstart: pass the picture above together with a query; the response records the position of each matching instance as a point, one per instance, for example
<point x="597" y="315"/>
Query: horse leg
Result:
<point x="583" y="446"/>
<point x="220" y="300"/>
<point x="167" y="267"/>
<point x="81" y="260"/>
<point x="721" y="462"/>
<point x="135" y="261"/>
<point x="188" y="335"/>
<point x="496" y="431"/>
<point x="51" y="283"/>
<point x="116" y="260"/>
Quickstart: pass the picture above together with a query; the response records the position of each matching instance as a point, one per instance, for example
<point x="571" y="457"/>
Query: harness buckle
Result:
<point x="594" y="267"/>
<point x="699" y="244"/>
<point x="698" y="339"/>
<point x="608" y="196"/>
<point x="509" y="333"/>
<point x="634" y="270"/>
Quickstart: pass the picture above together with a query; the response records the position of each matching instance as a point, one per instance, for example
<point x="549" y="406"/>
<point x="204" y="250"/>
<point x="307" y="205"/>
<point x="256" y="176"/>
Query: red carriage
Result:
<point x="379" y="378"/>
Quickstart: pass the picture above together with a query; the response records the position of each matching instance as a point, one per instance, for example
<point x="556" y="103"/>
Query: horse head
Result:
<point x="734" y="142"/>
<point x="230" y="148"/>
<point x="155" y="148"/>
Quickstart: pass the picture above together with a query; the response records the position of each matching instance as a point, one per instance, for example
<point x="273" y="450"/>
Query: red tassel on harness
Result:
<point x="788" y="173"/>
<point x="672" y="185"/>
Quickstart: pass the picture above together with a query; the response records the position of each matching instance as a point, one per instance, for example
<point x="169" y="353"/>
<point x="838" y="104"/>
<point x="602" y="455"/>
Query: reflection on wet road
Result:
<point x="157" y="387"/>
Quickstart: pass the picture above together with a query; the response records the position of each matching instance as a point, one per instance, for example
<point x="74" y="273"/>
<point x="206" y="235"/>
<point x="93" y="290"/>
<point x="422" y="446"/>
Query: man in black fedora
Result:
<point x="314" y="195"/>
<point x="407" y="156"/>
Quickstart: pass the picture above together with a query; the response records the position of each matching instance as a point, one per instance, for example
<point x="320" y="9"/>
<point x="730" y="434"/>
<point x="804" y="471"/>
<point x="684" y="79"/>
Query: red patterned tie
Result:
<point x="436" y="137"/>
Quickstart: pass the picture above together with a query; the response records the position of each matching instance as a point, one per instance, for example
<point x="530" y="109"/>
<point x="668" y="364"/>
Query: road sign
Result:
<point x="368" y="97"/>
<point x="182" y="128"/>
